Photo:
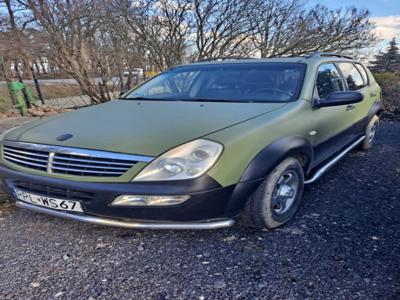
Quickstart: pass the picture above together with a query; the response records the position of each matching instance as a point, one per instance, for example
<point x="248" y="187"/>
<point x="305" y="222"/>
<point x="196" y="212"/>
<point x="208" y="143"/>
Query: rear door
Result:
<point x="370" y="91"/>
<point x="356" y="79"/>
<point x="333" y="122"/>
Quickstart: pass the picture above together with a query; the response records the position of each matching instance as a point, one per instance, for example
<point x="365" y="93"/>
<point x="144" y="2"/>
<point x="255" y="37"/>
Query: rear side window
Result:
<point x="328" y="80"/>
<point x="364" y="75"/>
<point x="352" y="76"/>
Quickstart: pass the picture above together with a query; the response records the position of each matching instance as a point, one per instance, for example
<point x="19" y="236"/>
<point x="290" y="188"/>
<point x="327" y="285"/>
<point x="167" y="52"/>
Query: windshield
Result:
<point x="242" y="82"/>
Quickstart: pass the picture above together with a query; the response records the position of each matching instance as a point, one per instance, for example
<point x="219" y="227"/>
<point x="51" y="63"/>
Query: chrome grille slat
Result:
<point x="92" y="160"/>
<point x="91" y="166"/>
<point x="84" y="171"/>
<point x="25" y="162"/>
<point x="69" y="161"/>
<point x="25" y="152"/>
<point x="23" y="157"/>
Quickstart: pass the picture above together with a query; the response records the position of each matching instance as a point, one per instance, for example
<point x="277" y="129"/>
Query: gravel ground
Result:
<point x="344" y="243"/>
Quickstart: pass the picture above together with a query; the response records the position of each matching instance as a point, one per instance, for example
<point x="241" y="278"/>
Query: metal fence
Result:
<point x="55" y="89"/>
<point x="61" y="93"/>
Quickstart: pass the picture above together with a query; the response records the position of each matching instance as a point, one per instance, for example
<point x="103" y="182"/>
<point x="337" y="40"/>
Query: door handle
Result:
<point x="350" y="107"/>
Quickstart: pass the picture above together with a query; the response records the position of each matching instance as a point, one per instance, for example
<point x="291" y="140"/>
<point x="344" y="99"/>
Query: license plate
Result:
<point x="49" y="202"/>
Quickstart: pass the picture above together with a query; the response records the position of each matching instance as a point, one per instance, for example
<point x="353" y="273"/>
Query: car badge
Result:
<point x="64" y="137"/>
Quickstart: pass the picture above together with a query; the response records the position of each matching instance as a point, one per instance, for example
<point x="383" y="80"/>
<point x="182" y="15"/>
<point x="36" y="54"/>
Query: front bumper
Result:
<point x="130" y="224"/>
<point x="208" y="207"/>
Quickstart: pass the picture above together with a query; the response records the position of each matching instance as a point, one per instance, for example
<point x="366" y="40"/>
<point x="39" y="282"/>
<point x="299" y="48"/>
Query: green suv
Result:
<point x="197" y="146"/>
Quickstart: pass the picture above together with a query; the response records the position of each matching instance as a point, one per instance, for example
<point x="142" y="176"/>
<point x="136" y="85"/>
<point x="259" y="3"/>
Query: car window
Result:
<point x="352" y="76"/>
<point x="364" y="75"/>
<point x="163" y="88"/>
<point x="328" y="80"/>
<point x="242" y="82"/>
<point x="184" y="80"/>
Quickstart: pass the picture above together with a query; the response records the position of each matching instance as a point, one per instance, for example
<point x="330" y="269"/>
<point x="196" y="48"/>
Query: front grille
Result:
<point x="27" y="158"/>
<point x="71" y="161"/>
<point x="89" y="166"/>
<point x="54" y="192"/>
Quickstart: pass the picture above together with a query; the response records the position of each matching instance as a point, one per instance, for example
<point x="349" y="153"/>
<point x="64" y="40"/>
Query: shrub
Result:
<point x="390" y="84"/>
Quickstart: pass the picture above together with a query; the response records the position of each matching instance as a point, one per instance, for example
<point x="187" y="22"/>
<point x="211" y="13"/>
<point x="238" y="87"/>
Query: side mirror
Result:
<point x="339" y="98"/>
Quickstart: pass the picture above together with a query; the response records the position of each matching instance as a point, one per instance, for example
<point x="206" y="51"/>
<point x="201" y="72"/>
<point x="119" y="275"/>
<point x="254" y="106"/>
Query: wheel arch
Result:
<point x="264" y="162"/>
<point x="375" y="109"/>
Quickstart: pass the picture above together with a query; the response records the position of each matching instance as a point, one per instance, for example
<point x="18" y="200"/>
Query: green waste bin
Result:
<point x="22" y="95"/>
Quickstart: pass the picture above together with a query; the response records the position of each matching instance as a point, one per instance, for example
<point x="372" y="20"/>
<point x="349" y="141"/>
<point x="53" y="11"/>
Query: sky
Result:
<point x="384" y="13"/>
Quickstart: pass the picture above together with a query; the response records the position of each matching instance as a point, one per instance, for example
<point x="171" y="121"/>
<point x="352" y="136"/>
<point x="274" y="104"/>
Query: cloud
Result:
<point x="387" y="27"/>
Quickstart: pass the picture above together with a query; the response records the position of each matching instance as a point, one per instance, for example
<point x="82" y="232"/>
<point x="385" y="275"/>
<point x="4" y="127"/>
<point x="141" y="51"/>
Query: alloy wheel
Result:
<point x="285" y="192"/>
<point x="372" y="133"/>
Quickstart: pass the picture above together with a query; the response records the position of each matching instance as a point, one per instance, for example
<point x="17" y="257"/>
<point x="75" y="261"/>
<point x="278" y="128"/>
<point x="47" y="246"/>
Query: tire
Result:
<point x="370" y="133"/>
<point x="265" y="208"/>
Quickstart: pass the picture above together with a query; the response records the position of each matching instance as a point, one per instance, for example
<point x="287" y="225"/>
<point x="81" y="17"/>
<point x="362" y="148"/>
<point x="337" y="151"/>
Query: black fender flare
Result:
<point x="263" y="163"/>
<point x="375" y="109"/>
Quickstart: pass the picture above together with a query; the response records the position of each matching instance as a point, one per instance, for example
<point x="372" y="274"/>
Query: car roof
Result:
<point x="296" y="59"/>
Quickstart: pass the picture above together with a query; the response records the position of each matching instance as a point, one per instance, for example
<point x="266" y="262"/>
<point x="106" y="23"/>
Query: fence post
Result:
<point x="27" y="100"/>
<point x="37" y="86"/>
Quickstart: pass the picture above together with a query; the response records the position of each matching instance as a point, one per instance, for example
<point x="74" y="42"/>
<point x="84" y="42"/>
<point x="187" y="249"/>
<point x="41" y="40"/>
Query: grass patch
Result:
<point x="5" y="99"/>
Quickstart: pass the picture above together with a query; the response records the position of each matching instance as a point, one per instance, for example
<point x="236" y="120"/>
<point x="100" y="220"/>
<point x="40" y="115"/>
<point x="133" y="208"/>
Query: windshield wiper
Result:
<point x="209" y="100"/>
<point x="188" y="99"/>
<point x="139" y="98"/>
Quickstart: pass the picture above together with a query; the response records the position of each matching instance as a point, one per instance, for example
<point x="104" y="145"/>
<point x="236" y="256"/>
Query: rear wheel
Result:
<point x="276" y="200"/>
<point x="370" y="133"/>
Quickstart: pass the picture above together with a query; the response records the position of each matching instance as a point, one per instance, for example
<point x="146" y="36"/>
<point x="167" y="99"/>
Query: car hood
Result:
<point x="138" y="127"/>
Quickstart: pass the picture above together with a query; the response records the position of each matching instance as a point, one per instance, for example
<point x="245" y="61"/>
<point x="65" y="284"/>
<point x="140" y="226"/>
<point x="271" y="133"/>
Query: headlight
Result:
<point x="187" y="161"/>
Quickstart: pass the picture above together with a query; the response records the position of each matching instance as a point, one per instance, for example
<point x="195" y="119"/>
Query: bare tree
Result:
<point x="103" y="39"/>
<point x="285" y="28"/>
<point x="122" y="51"/>
<point x="71" y="28"/>
<point x="160" y="26"/>
<point x="15" y="49"/>
<point x="223" y="28"/>
<point x="173" y="32"/>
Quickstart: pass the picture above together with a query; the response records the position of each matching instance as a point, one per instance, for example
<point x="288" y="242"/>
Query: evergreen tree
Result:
<point x="388" y="61"/>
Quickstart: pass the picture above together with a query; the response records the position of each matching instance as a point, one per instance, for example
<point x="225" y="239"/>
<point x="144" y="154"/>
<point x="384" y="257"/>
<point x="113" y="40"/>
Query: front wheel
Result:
<point x="370" y="133"/>
<point x="277" y="198"/>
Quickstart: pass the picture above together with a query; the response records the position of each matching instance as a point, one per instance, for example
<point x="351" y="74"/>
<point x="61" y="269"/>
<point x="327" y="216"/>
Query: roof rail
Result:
<point x="223" y="58"/>
<point x="327" y="54"/>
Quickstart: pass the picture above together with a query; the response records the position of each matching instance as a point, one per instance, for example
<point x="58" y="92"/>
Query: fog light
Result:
<point x="148" y="200"/>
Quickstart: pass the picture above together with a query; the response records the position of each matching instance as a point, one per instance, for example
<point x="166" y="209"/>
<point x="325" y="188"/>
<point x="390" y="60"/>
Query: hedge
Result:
<point x="390" y="84"/>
